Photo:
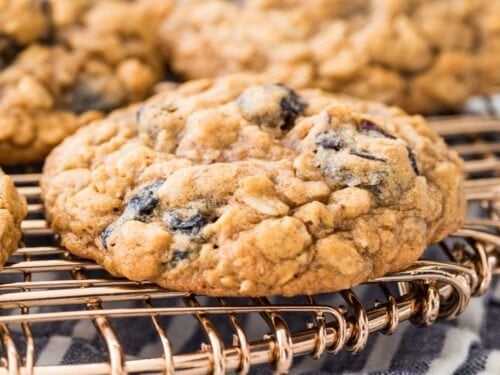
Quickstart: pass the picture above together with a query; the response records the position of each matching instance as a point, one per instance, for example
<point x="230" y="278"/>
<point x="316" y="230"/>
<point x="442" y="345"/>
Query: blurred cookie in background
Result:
<point x="101" y="55"/>
<point x="22" y="22"/>
<point x="426" y="56"/>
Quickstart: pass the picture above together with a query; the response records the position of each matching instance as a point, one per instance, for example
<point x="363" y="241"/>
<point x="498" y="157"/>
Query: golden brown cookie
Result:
<point x="422" y="55"/>
<point x="13" y="209"/>
<point x="102" y="55"/>
<point x="241" y="186"/>
<point x="22" y="22"/>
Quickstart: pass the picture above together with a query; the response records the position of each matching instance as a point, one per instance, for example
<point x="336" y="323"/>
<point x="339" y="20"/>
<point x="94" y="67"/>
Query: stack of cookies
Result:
<point x="260" y="176"/>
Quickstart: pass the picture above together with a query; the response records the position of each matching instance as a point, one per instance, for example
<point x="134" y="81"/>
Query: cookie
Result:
<point x="21" y="22"/>
<point x="243" y="187"/>
<point x="94" y="63"/>
<point x="424" y="56"/>
<point x="13" y="209"/>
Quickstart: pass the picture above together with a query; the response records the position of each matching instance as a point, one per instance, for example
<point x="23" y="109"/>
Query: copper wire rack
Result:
<point x="43" y="284"/>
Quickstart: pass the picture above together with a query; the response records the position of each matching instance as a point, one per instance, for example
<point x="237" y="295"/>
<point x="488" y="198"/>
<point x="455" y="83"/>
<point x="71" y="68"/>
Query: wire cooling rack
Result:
<point x="45" y="286"/>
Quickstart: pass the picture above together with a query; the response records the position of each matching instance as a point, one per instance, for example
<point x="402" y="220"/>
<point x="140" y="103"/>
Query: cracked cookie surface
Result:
<point x="423" y="56"/>
<point x="93" y="63"/>
<point x="240" y="186"/>
<point x="13" y="209"/>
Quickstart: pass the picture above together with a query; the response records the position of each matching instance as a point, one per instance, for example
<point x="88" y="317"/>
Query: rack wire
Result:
<point x="45" y="285"/>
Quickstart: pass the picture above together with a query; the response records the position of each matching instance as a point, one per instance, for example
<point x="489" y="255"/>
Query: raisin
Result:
<point x="178" y="256"/>
<point x="9" y="48"/>
<point x="94" y="93"/>
<point x="374" y="189"/>
<point x="140" y="207"/>
<point x="49" y="35"/>
<point x="413" y="161"/>
<point x="143" y="203"/>
<point x="366" y="155"/>
<point x="190" y="225"/>
<point x="46" y="7"/>
<point x="330" y="141"/>
<point x="273" y="106"/>
<point x="369" y="126"/>
<point x="106" y="233"/>
<point x="291" y="106"/>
